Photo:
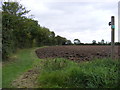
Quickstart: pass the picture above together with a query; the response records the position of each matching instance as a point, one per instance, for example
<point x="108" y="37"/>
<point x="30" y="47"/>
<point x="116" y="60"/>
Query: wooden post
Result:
<point x="112" y="36"/>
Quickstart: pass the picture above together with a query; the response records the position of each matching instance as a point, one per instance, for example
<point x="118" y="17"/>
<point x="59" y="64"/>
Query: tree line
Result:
<point x="18" y="31"/>
<point x="78" y="42"/>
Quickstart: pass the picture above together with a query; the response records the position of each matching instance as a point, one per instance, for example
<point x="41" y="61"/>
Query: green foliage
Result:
<point x="60" y="40"/>
<point x="14" y="8"/>
<point x="90" y="74"/>
<point x="11" y="18"/>
<point x="54" y="64"/>
<point x="76" y="41"/>
<point x="22" y="32"/>
<point x="94" y="42"/>
<point x="68" y="42"/>
<point x="0" y="75"/>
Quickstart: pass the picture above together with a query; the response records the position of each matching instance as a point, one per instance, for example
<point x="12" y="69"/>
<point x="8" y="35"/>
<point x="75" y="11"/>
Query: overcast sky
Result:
<point x="86" y="20"/>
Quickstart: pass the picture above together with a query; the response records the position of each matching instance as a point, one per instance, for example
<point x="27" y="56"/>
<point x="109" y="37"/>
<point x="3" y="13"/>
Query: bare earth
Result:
<point x="77" y="53"/>
<point x="27" y="80"/>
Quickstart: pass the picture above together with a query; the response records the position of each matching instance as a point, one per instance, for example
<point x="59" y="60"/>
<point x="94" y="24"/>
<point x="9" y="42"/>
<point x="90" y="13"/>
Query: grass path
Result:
<point x="23" y="60"/>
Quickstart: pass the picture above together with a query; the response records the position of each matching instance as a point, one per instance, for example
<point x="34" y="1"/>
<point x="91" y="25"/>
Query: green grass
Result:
<point x="20" y="62"/>
<point x="0" y="75"/>
<point x="62" y="73"/>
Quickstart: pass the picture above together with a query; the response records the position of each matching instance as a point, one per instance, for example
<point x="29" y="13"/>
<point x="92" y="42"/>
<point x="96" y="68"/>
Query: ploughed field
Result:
<point x="77" y="53"/>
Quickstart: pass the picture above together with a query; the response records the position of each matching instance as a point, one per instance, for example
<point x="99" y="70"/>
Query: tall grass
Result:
<point x="62" y="73"/>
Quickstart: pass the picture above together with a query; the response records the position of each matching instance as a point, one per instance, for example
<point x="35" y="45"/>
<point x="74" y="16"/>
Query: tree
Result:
<point x="76" y="41"/>
<point x="52" y="40"/>
<point x="68" y="42"/>
<point x="94" y="42"/>
<point x="117" y="43"/>
<point x="11" y="18"/>
<point x="60" y="40"/>
<point x="102" y="41"/>
<point x="14" y="8"/>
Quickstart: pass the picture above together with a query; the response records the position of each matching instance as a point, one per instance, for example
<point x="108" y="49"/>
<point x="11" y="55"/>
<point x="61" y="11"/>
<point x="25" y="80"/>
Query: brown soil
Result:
<point x="27" y="80"/>
<point x="77" y="53"/>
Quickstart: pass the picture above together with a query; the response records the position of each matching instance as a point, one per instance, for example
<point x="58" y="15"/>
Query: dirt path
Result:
<point x="27" y="80"/>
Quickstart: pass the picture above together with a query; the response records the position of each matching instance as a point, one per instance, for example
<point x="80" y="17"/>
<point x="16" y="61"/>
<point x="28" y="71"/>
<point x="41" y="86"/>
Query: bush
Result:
<point x="58" y="73"/>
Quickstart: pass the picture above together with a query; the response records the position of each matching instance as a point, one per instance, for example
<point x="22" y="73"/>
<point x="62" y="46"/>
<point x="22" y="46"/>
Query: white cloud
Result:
<point x="73" y="19"/>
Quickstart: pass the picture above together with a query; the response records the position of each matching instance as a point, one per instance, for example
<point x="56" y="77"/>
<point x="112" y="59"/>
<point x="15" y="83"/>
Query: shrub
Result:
<point x="91" y="74"/>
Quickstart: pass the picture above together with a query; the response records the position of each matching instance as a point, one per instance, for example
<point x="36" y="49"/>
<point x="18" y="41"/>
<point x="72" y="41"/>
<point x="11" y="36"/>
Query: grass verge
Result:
<point x="20" y="62"/>
<point x="62" y="73"/>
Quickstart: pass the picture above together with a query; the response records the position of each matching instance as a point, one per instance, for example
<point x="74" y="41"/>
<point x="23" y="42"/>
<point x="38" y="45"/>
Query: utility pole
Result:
<point x="112" y="23"/>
